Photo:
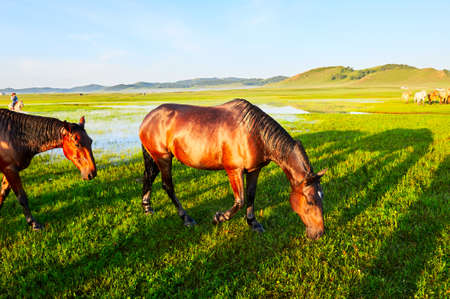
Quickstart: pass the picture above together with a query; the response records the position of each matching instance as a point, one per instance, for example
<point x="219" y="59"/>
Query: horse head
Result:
<point x="77" y="148"/>
<point x="306" y="201"/>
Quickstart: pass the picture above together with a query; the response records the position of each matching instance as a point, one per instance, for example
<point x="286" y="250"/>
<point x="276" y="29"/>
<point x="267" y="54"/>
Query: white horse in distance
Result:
<point x="420" y="96"/>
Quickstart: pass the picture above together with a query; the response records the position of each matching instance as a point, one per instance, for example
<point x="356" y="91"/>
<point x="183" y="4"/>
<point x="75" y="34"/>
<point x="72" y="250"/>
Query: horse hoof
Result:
<point x="148" y="211"/>
<point x="218" y="218"/>
<point x="258" y="227"/>
<point x="189" y="222"/>
<point x="255" y="225"/>
<point x="36" y="226"/>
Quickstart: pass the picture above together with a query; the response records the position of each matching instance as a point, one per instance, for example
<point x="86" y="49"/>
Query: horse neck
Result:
<point x="41" y="134"/>
<point x="295" y="165"/>
<point x="51" y="143"/>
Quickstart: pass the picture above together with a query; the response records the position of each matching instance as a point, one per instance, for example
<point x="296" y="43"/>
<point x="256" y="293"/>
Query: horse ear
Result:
<point x="322" y="172"/>
<point x="82" y="121"/>
<point x="310" y="179"/>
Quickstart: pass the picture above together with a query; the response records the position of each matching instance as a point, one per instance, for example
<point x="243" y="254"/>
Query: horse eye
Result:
<point x="76" y="142"/>
<point x="320" y="193"/>
<point x="310" y="202"/>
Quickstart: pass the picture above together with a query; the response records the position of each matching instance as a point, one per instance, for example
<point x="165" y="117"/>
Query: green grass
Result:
<point x="386" y="215"/>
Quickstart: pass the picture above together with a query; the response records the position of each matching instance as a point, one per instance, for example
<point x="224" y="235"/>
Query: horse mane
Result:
<point x="31" y="131"/>
<point x="261" y="124"/>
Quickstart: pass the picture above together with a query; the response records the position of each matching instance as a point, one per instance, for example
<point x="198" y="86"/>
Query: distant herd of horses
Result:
<point x="237" y="137"/>
<point x="439" y="94"/>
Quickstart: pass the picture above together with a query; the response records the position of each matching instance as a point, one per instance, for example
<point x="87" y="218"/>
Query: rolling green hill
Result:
<point x="389" y="75"/>
<point x="200" y="83"/>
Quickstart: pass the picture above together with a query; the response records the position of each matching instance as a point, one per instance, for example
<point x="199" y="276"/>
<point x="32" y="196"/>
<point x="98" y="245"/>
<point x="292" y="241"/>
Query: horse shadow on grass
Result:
<point x="376" y="176"/>
<point x="402" y="258"/>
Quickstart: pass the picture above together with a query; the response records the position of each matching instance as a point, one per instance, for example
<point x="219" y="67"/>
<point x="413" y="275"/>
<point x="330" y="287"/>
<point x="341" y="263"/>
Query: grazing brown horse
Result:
<point x="23" y="136"/>
<point x="433" y="96"/>
<point x="239" y="138"/>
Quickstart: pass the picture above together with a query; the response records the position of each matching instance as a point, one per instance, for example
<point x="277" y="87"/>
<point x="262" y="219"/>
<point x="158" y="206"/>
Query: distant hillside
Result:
<point x="200" y="83"/>
<point x="389" y="75"/>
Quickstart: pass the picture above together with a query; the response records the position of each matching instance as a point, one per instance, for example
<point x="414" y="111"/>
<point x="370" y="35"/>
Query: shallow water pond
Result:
<point x="114" y="128"/>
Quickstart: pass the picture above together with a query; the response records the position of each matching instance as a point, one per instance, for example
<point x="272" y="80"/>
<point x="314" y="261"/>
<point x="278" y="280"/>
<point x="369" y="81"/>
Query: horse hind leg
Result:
<point x="252" y="179"/>
<point x="6" y="188"/>
<point x="165" y="166"/>
<point x="237" y="184"/>
<point x="150" y="173"/>
<point x="16" y="184"/>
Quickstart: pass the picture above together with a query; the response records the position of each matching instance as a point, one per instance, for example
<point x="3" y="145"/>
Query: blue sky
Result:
<point x="69" y="43"/>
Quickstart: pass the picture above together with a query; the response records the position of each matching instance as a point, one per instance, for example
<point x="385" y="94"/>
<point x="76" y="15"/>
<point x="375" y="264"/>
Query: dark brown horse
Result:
<point x="23" y="136"/>
<point x="433" y="96"/>
<point x="239" y="138"/>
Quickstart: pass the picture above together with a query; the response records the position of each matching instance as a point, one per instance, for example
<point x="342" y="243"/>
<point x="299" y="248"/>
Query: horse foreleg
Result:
<point x="165" y="166"/>
<point x="150" y="173"/>
<point x="237" y="184"/>
<point x="16" y="184"/>
<point x="252" y="180"/>
<point x="6" y="188"/>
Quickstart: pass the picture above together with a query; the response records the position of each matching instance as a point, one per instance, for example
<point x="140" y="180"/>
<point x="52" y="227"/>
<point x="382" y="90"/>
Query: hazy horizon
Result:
<point x="62" y="45"/>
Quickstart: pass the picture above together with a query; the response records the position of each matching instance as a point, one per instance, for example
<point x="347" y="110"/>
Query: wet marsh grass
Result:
<point x="326" y="100"/>
<point x="386" y="216"/>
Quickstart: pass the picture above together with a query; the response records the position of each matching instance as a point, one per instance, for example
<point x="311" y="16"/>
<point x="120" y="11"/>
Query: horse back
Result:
<point x="201" y="137"/>
<point x="12" y="154"/>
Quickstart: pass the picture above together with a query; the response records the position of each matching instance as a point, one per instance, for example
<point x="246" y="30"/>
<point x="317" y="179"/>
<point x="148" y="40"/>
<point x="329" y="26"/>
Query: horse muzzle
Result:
<point x="90" y="175"/>
<point x="314" y="234"/>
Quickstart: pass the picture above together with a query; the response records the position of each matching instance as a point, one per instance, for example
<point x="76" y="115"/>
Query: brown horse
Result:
<point x="433" y="96"/>
<point x="23" y="136"/>
<point x="239" y="138"/>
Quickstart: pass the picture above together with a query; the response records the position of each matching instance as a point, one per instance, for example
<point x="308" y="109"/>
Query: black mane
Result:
<point x="30" y="131"/>
<point x="261" y="124"/>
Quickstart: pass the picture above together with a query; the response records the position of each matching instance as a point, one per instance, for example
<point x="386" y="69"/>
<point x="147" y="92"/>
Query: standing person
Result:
<point x="14" y="101"/>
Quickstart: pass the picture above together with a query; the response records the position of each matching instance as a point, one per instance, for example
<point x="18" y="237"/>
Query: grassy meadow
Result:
<point x="386" y="209"/>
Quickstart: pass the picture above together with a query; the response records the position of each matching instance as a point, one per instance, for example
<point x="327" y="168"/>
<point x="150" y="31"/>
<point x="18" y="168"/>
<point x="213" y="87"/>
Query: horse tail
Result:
<point x="151" y="170"/>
